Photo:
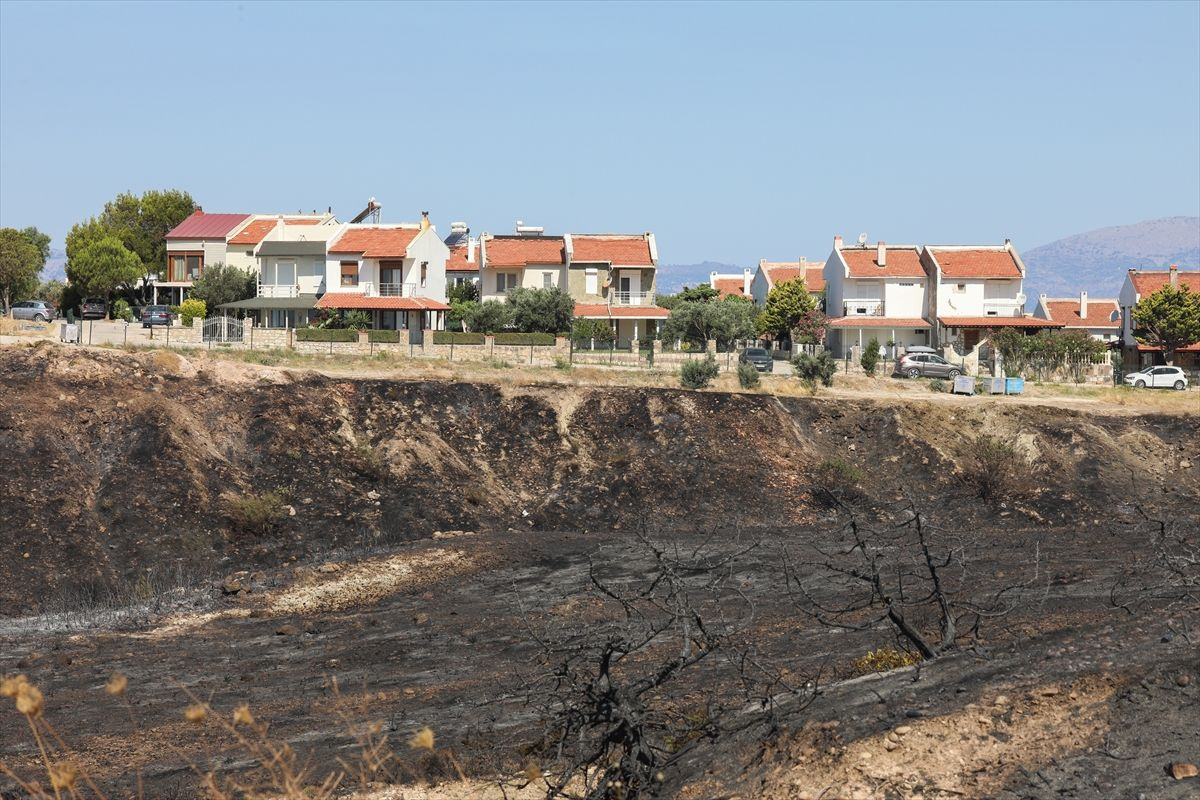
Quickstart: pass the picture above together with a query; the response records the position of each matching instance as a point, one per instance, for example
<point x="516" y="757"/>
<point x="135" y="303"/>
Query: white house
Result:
<point x="397" y="273"/>
<point x="772" y="273"/>
<point x="974" y="288"/>
<point x="732" y="285"/>
<point x="876" y="291"/>
<point x="1098" y="318"/>
<point x="1139" y="284"/>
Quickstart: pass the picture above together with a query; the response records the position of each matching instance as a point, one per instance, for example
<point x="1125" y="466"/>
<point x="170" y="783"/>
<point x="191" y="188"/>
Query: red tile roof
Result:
<point x="998" y="322"/>
<point x="1099" y="313"/>
<point x="901" y="262"/>
<point x="1153" y="348"/>
<point x="354" y="300"/>
<point x="518" y="251"/>
<point x="206" y="226"/>
<point x="458" y="260"/>
<point x="257" y="230"/>
<point x="783" y="271"/>
<point x="604" y="311"/>
<point x="730" y="286"/>
<point x="375" y="242"/>
<point x="1147" y="282"/>
<point x="878" y="322"/>
<point x="614" y="249"/>
<point x="977" y="263"/>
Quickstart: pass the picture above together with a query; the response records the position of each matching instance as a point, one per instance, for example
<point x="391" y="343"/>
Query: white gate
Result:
<point x="222" y="329"/>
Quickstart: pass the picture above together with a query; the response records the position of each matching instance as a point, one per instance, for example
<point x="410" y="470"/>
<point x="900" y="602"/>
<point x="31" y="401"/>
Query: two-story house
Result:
<point x="197" y="242"/>
<point x="396" y="273"/>
<point x="974" y="288"/>
<point x="1140" y="283"/>
<point x="609" y="276"/>
<point x="875" y="292"/>
<point x="772" y="273"/>
<point x="732" y="285"/>
<point x="1098" y="318"/>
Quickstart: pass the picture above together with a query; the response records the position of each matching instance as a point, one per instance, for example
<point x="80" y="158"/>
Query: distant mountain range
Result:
<point x="673" y="277"/>
<point x="56" y="266"/>
<point x="1097" y="261"/>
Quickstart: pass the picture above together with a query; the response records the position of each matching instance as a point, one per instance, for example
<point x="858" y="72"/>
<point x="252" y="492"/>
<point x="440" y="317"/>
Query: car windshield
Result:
<point x="156" y="309"/>
<point x="755" y="351"/>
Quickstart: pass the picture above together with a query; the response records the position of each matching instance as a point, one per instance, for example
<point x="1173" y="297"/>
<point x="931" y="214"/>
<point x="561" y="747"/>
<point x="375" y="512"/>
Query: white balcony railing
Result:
<point x="632" y="298"/>
<point x="397" y="290"/>
<point x="1002" y="308"/>
<point x="278" y="290"/>
<point x="862" y="308"/>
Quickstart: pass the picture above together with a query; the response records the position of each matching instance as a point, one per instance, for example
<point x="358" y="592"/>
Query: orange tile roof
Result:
<point x="998" y="322"/>
<point x="1148" y="282"/>
<point x="783" y="271"/>
<point x="878" y="322"/>
<point x="1153" y="348"/>
<point x="354" y="300"/>
<point x="519" y="251"/>
<point x="1099" y="313"/>
<point x="604" y="311"/>
<point x="375" y="242"/>
<point x="977" y="263"/>
<point x="458" y="260"/>
<point x="614" y="249"/>
<point x="730" y="286"/>
<point x="902" y="262"/>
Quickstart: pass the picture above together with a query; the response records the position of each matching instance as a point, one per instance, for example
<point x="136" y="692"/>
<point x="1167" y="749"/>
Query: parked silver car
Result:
<point x="924" y="362"/>
<point x="36" y="310"/>
<point x="1158" y="378"/>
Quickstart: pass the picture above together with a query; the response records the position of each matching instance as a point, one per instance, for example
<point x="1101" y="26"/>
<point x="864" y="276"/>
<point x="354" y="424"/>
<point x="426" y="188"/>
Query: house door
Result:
<point x="970" y="338"/>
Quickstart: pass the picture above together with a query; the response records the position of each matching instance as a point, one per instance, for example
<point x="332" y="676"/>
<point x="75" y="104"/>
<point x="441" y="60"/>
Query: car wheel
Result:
<point x="1139" y="384"/>
<point x="952" y="374"/>
<point x="913" y="372"/>
<point x="1179" y="386"/>
<point x="39" y="317"/>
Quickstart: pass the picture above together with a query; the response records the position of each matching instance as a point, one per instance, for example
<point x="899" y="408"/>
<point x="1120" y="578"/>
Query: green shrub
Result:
<point x="747" y="376"/>
<point x="489" y="317"/>
<point x="836" y="479"/>
<point x="585" y="330"/>
<point x="536" y="339"/>
<point x="121" y="310"/>
<point x="383" y="337"/>
<point x="456" y="337"/>
<point x="870" y="357"/>
<point x="996" y="469"/>
<point x="562" y="363"/>
<point x="698" y="373"/>
<point x="814" y="370"/>
<point x="326" y="335"/>
<point x="883" y="660"/>
<point x="358" y="320"/>
<point x="191" y="309"/>
<point x="937" y="385"/>
<point x="256" y="513"/>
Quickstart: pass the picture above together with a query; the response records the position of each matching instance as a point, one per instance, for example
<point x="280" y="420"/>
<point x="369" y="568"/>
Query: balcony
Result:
<point x="631" y="298"/>
<point x="278" y="290"/>
<point x="1002" y="308"/>
<point x="373" y="289"/>
<point x="862" y="308"/>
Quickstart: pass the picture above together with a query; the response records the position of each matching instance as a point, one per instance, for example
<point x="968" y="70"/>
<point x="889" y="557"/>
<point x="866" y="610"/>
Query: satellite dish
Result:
<point x="1021" y="298"/>
<point x="862" y="239"/>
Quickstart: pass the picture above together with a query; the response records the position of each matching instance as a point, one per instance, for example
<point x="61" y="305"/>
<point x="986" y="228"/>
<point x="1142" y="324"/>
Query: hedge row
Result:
<point x="457" y="337"/>
<point x="383" y="337"/>
<point x="537" y="339"/>
<point x="326" y="335"/>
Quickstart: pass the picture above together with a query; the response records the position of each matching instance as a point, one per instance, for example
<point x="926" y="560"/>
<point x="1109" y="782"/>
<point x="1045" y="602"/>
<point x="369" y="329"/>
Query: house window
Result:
<point x="505" y="281"/>
<point x="183" y="267"/>
<point x="907" y="284"/>
<point x="960" y="287"/>
<point x="249" y="252"/>
<point x="591" y="282"/>
<point x="546" y="278"/>
<point x="424" y="272"/>
<point x="349" y="273"/>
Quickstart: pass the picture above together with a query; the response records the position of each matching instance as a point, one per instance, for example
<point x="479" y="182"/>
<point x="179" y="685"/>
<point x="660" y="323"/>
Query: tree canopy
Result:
<point x="697" y="321"/>
<point x="221" y="283"/>
<point x="789" y="307"/>
<point x="489" y="317"/>
<point x="700" y="294"/>
<point x="541" y="310"/>
<point x="1169" y="318"/>
<point x="20" y="263"/>
<point x="103" y="265"/>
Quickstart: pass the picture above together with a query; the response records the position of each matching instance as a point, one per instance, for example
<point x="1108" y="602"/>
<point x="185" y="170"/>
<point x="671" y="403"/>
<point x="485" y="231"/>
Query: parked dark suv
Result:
<point x="155" y="315"/>
<point x="93" y="308"/>
<point x="920" y="362"/>
<point x="758" y="357"/>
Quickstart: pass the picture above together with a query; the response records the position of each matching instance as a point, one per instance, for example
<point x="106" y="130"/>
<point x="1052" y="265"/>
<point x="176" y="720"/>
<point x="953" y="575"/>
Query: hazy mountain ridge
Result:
<point x="673" y="277"/>
<point x="1096" y="261"/>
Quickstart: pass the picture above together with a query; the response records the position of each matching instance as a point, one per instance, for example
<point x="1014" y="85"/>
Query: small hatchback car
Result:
<point x="1158" y="378"/>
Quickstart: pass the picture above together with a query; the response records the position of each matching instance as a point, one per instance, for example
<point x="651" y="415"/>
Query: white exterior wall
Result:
<point x="758" y="287"/>
<point x="971" y="301"/>
<point x="835" y="289"/>
<point x="533" y="276"/>
<point x="430" y="248"/>
<point x="235" y="256"/>
<point x="900" y="300"/>
<point x="1127" y="299"/>
<point x="310" y="272"/>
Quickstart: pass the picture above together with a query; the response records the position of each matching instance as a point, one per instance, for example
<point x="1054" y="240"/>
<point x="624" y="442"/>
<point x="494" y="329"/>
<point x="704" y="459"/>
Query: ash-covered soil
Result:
<point x="435" y="534"/>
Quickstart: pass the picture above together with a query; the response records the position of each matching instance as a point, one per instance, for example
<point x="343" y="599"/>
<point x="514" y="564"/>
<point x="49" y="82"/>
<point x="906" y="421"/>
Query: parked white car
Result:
<point x="1158" y="378"/>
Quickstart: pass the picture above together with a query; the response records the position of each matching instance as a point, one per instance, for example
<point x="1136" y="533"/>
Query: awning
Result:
<point x="998" y="322"/>
<point x="605" y="311"/>
<point x="878" y="322"/>
<point x="303" y="301"/>
<point x="357" y="301"/>
<point x="276" y="248"/>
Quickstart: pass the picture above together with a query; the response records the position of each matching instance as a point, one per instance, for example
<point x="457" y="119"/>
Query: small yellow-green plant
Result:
<point x="882" y="660"/>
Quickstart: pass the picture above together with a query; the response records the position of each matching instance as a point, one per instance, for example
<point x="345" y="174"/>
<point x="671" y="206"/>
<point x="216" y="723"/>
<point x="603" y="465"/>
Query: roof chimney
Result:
<point x="424" y="220"/>
<point x="837" y="243"/>
<point x="881" y="253"/>
<point x="470" y="250"/>
<point x="1083" y="305"/>
<point x="1174" y="273"/>
<point x="746" y="278"/>
<point x="712" y="279"/>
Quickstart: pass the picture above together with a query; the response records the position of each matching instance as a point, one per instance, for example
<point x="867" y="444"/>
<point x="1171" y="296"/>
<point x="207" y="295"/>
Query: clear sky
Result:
<point x="734" y="132"/>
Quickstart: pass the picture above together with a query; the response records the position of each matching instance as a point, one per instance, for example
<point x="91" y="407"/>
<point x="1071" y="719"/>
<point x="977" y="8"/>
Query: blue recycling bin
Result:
<point x="1014" y="385"/>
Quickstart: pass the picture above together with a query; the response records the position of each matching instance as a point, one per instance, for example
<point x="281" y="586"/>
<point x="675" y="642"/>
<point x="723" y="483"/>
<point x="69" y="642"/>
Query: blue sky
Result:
<point x="734" y="132"/>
